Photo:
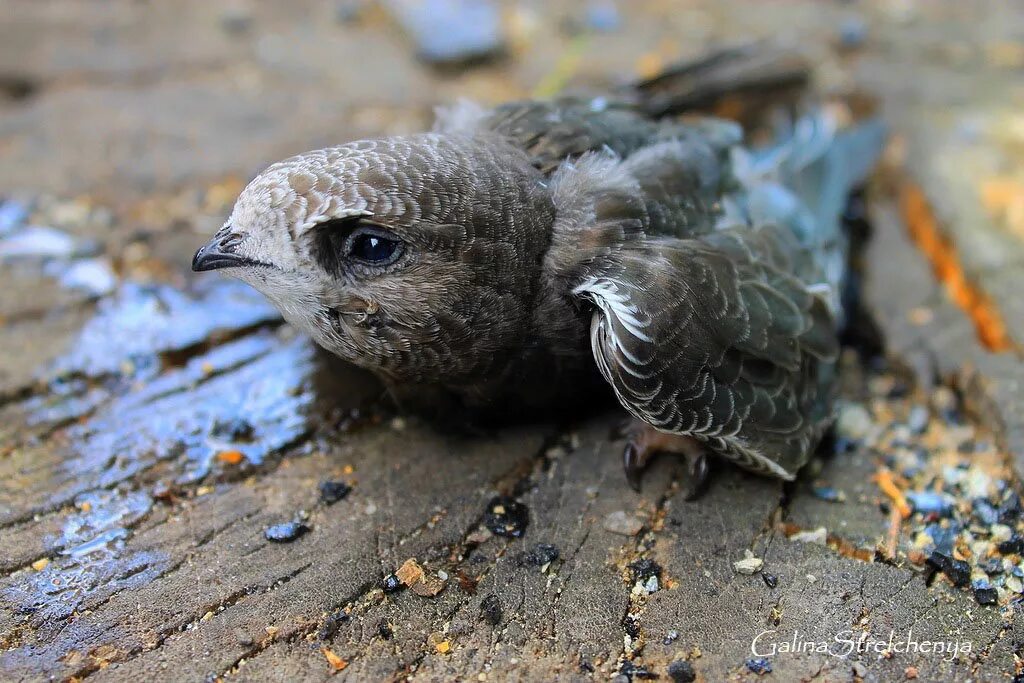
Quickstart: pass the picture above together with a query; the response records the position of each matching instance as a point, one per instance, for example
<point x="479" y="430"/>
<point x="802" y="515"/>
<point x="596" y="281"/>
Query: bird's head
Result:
<point x="416" y="257"/>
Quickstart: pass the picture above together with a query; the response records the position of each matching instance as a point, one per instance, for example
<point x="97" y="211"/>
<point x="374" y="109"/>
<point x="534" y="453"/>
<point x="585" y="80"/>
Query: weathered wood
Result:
<point x="148" y="438"/>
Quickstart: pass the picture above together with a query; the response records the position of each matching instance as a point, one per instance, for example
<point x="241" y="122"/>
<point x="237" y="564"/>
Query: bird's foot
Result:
<point x="645" y="442"/>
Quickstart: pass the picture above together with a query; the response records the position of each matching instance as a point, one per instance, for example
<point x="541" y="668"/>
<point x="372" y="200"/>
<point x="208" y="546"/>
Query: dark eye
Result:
<point x="373" y="247"/>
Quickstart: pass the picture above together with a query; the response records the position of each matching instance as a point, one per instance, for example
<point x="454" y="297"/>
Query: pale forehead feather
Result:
<point x="366" y="176"/>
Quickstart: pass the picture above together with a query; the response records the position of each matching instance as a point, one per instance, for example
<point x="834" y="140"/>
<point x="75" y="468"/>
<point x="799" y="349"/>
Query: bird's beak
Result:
<point x="218" y="253"/>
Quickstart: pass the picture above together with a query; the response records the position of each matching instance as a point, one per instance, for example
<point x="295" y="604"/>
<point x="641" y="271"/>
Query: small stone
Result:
<point x="859" y="670"/>
<point x="759" y="665"/>
<point x="910" y="673"/>
<point x="986" y="596"/>
<point x="235" y="19"/>
<point x="930" y="502"/>
<point x="603" y="15"/>
<point x="41" y="564"/>
<point x="681" y="671"/>
<point x="451" y="31"/>
<point x="641" y="570"/>
<point x="985" y="512"/>
<point x="285" y="533"/>
<point x="670" y="637"/>
<point x="854" y="421"/>
<point x="917" y="421"/>
<point x="490" y="610"/>
<point x="852" y="33"/>
<point x="636" y="672"/>
<point x="1000" y="533"/>
<point x="1014" y="584"/>
<point x="619" y="522"/>
<point x="333" y="491"/>
<point x="959" y="572"/>
<point x="506" y="517"/>
<point x="819" y="536"/>
<point x="384" y="629"/>
<point x="331" y="624"/>
<point x="651" y="584"/>
<point x="392" y="584"/>
<point x="542" y="554"/>
<point x="770" y="580"/>
<point x="811" y="578"/>
<point x="1010" y="510"/>
<point x="1014" y="545"/>
<point x="749" y="564"/>
<point x="479" y="536"/>
<point x="828" y="493"/>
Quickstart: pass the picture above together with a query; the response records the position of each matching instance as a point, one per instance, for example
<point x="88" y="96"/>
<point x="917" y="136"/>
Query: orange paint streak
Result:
<point x="941" y="254"/>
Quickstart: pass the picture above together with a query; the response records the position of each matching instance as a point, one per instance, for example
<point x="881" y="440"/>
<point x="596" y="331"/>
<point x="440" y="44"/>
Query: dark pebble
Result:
<point x="642" y="570"/>
<point x="392" y="584"/>
<point x="235" y="428"/>
<point x="331" y="624"/>
<point x="770" y="580"/>
<point x="285" y="533"/>
<point x="490" y="610"/>
<point x="636" y="672"/>
<point x="506" y="517"/>
<point x="959" y="572"/>
<point x="384" y="629"/>
<point x="759" y="665"/>
<point x="333" y="491"/>
<point x="681" y="671"/>
<point x="1009" y="511"/>
<point x="631" y="626"/>
<point x="827" y="493"/>
<point x="542" y="554"/>
<point x="1014" y="545"/>
<point x="586" y="666"/>
<point x="986" y="596"/>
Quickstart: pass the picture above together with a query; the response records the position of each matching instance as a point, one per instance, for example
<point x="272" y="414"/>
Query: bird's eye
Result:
<point x="374" y="246"/>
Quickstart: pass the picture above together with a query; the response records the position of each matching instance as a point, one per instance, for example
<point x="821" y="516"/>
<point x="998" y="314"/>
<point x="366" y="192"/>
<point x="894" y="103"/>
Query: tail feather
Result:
<point x="804" y="181"/>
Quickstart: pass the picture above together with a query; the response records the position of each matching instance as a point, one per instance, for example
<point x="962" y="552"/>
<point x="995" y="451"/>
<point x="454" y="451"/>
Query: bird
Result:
<point x="538" y="254"/>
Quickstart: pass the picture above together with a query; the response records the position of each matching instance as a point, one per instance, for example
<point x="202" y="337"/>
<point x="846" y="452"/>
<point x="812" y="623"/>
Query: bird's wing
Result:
<point x="711" y="337"/>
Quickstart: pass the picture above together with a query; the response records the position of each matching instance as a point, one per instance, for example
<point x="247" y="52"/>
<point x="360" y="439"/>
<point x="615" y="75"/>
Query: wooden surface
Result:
<point x="151" y="435"/>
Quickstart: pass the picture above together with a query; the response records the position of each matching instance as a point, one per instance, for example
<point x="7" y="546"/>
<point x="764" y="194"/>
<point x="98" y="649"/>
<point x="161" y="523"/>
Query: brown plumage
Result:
<point x="512" y="258"/>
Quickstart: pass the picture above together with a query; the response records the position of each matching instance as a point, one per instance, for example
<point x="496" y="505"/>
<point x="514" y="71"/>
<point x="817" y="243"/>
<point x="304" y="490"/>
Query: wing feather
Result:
<point x="706" y="338"/>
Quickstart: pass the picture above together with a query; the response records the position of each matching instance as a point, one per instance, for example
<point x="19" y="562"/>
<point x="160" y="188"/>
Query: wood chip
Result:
<point x="410" y="572"/>
<point x="231" y="457"/>
<point x="336" y="662"/>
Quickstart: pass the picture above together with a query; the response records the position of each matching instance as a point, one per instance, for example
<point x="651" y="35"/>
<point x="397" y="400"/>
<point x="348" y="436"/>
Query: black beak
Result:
<point x="219" y="253"/>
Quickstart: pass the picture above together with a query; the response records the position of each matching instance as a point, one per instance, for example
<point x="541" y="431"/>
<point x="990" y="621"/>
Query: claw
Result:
<point x="633" y="461"/>
<point x="699" y="470"/>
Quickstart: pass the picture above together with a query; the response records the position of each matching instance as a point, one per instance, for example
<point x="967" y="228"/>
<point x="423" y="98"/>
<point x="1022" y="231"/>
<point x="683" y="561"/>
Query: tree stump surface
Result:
<point x="157" y="430"/>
